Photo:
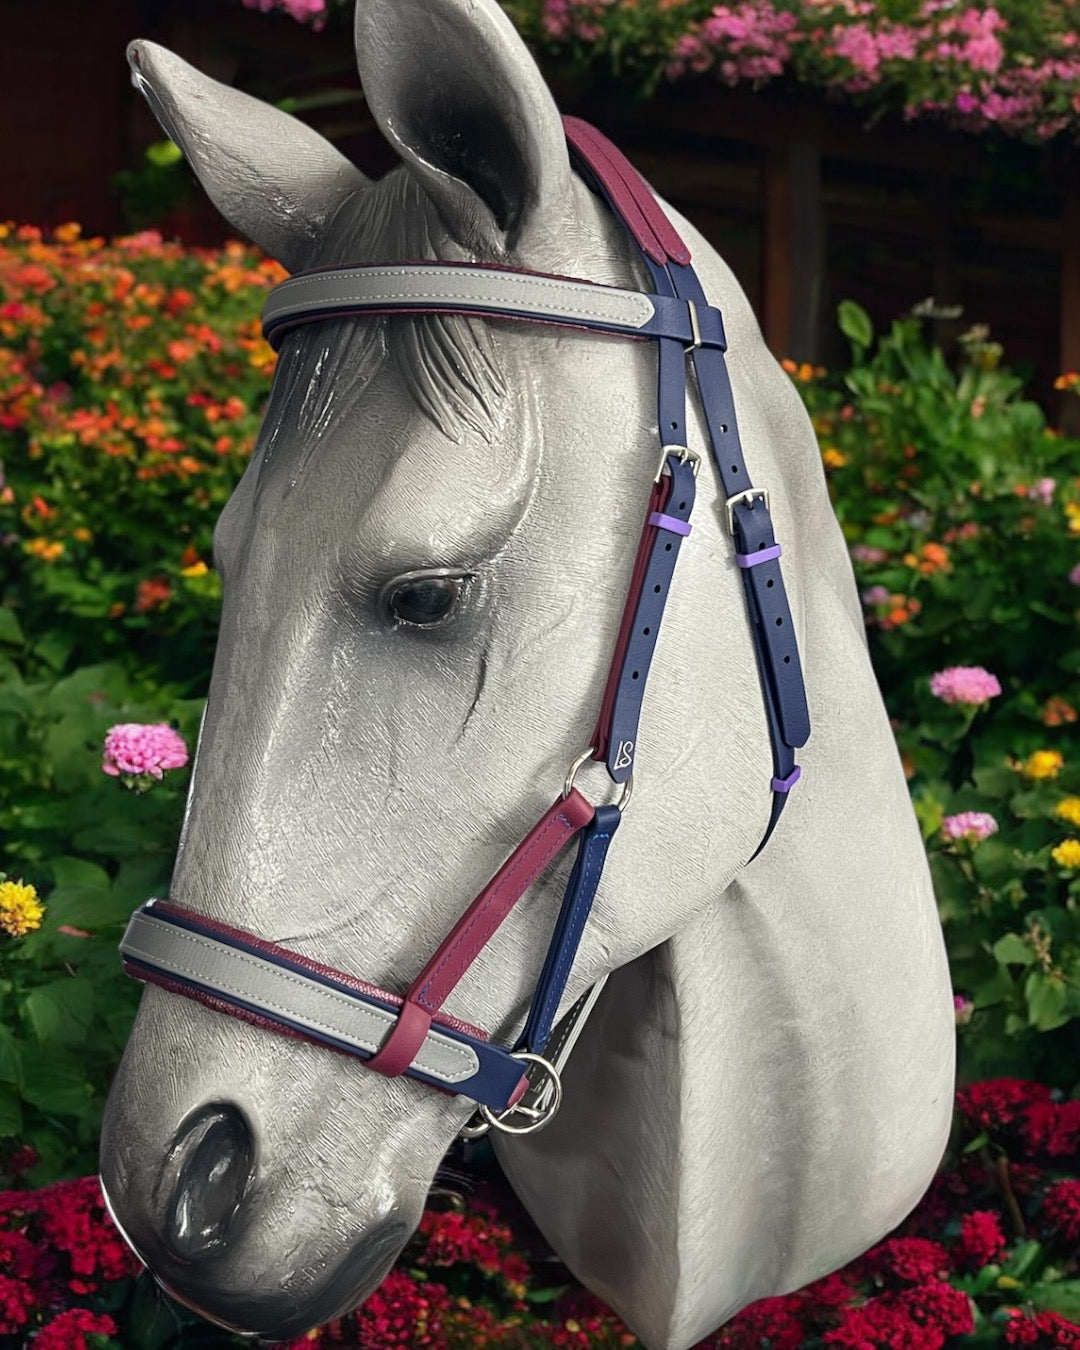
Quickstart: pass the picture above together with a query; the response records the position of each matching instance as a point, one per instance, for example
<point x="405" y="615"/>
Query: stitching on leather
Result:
<point x="611" y="312"/>
<point x="524" y="858"/>
<point x="467" y="1056"/>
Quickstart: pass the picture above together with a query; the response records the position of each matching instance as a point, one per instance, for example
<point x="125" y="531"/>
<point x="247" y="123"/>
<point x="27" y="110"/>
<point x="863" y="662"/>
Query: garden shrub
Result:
<point x="962" y="511"/>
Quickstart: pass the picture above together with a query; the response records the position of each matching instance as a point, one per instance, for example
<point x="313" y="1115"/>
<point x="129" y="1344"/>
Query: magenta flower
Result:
<point x="1074" y="575"/>
<point x="140" y="752"/>
<point x="971" y="685"/>
<point x="1043" y="491"/>
<point x="963" y="1008"/>
<point x="973" y="825"/>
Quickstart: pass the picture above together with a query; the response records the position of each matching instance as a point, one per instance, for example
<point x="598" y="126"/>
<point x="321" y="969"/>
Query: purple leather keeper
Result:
<point x="671" y="523"/>
<point x="786" y="784"/>
<point x="763" y="555"/>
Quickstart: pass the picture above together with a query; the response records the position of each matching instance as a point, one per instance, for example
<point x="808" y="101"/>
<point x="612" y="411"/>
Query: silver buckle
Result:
<point x="750" y="495"/>
<point x="683" y="453"/>
<point x="537" y="1107"/>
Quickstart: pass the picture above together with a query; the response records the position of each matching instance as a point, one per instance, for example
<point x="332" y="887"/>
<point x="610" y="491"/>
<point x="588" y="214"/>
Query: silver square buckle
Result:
<point x="750" y="495"/>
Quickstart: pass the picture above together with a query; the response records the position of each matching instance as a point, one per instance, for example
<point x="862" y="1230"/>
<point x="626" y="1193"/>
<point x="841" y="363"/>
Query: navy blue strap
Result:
<point x="576" y="906"/>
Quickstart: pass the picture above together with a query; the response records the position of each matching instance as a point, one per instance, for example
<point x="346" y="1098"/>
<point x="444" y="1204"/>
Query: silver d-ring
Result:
<point x="568" y="785"/>
<point x="548" y="1099"/>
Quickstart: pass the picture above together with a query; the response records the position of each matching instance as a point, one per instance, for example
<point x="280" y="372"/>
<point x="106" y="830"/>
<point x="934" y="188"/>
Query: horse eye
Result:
<point x="423" y="601"/>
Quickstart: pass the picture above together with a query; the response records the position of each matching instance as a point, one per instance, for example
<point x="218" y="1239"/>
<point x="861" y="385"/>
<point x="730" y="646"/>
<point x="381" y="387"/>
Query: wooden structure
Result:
<point x="808" y="203"/>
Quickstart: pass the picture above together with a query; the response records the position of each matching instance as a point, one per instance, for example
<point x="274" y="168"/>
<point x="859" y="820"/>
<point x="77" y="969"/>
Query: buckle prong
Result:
<point x="750" y="495"/>
<point x="683" y="453"/>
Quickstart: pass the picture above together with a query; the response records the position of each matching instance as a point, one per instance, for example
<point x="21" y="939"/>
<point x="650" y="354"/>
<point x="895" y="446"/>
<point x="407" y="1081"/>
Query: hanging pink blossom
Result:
<point x="973" y="825"/>
<point x="964" y="684"/>
<point x="140" y="750"/>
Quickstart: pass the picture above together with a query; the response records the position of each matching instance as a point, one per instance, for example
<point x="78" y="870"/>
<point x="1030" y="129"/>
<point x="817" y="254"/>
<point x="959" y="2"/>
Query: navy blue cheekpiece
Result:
<point x="576" y="906"/>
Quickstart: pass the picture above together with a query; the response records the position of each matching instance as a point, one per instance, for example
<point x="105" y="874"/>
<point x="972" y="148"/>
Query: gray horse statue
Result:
<point x="428" y="565"/>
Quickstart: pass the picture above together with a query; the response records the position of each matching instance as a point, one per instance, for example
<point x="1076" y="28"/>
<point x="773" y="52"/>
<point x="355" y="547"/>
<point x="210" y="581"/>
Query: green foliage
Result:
<point x="963" y="513"/>
<point x="117" y="452"/>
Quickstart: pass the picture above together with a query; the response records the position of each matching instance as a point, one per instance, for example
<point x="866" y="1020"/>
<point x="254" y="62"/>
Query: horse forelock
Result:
<point x="450" y="365"/>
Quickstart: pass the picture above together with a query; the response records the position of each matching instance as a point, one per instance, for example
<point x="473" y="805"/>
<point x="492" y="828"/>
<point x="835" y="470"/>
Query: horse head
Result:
<point x="424" y="570"/>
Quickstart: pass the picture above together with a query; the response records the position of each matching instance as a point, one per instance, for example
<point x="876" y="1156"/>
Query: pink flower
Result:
<point x="143" y="750"/>
<point x="971" y="685"/>
<point x="1074" y="575"/>
<point x="876" y="595"/>
<point x="867" y="553"/>
<point x="963" y="1010"/>
<point x="973" y="825"/>
<point x="1043" y="491"/>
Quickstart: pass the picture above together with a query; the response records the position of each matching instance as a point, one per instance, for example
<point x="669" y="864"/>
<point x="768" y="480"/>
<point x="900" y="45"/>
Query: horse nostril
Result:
<point x="209" y="1167"/>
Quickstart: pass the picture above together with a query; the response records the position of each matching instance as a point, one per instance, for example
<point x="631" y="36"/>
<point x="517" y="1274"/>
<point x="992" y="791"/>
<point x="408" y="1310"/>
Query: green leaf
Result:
<point x="61" y="1012"/>
<point x="1023" y="1257"/>
<point x="10" y="1112"/>
<point x="11" y="634"/>
<point x="56" y="1082"/>
<point x="855" y="323"/>
<point x="1046" y="996"/>
<point x="1060" y="1296"/>
<point x="9" y="1057"/>
<point x="1013" y="950"/>
<point x="78" y="872"/>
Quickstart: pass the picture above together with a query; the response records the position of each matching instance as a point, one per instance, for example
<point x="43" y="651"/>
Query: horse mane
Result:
<point x="449" y="364"/>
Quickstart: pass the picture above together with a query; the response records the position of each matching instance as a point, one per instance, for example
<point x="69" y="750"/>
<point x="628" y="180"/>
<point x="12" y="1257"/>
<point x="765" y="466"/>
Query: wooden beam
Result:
<point x="793" y="251"/>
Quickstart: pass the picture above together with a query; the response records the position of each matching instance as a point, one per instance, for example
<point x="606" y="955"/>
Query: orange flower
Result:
<point x="1056" y="711"/>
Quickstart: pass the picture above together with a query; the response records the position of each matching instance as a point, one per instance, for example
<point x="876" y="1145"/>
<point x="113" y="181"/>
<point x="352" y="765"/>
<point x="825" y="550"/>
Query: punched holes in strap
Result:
<point x="648" y="614"/>
<point x="779" y="652"/>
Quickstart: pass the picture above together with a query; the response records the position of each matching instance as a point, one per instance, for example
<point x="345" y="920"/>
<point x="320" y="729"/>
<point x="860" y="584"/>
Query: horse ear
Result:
<point x="455" y="90"/>
<point x="274" y="178"/>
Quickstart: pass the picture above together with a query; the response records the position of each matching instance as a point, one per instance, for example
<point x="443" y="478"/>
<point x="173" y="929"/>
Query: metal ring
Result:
<point x="568" y="785"/>
<point x="536" y="1117"/>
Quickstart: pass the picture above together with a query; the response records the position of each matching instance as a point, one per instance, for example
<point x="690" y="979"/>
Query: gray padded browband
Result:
<point x="218" y="967"/>
<point x="442" y="286"/>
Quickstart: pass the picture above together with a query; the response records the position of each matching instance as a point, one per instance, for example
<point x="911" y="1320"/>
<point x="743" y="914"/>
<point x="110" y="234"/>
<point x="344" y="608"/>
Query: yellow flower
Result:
<point x="197" y="569"/>
<point x="1067" y="853"/>
<point x="67" y="233"/>
<point x="833" y="458"/>
<point x="1042" y="764"/>
<point x="20" y="909"/>
<point x="1069" y="809"/>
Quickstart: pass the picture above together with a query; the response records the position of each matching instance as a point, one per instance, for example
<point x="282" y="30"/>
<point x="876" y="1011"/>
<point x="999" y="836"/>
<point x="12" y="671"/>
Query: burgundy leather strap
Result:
<point x="472" y="932"/>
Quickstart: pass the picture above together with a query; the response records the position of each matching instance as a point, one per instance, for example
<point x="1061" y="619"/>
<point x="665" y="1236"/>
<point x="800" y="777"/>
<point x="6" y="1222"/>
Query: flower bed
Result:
<point x="1013" y="65"/>
<point x="990" y="1258"/>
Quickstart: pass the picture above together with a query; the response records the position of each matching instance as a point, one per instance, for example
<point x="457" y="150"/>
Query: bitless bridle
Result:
<point x="236" y="972"/>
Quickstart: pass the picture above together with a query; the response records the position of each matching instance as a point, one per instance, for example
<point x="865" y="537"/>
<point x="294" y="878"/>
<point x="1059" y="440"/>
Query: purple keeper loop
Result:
<point x="786" y="784"/>
<point x="763" y="555"/>
<point x="671" y="523"/>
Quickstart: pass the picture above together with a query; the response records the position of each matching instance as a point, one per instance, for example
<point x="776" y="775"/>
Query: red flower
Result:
<point x="880" y="1324"/>
<point x="938" y="1307"/>
<point x="74" y="1220"/>
<point x="70" y="1329"/>
<point x="16" y="1302"/>
<point x="1045" y="1331"/>
<point x="998" y="1102"/>
<point x="1061" y="1209"/>
<point x="1053" y="1128"/>
<point x="402" y="1314"/>
<point x="775" y="1322"/>
<point x="980" y="1240"/>
<point x="908" y="1258"/>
